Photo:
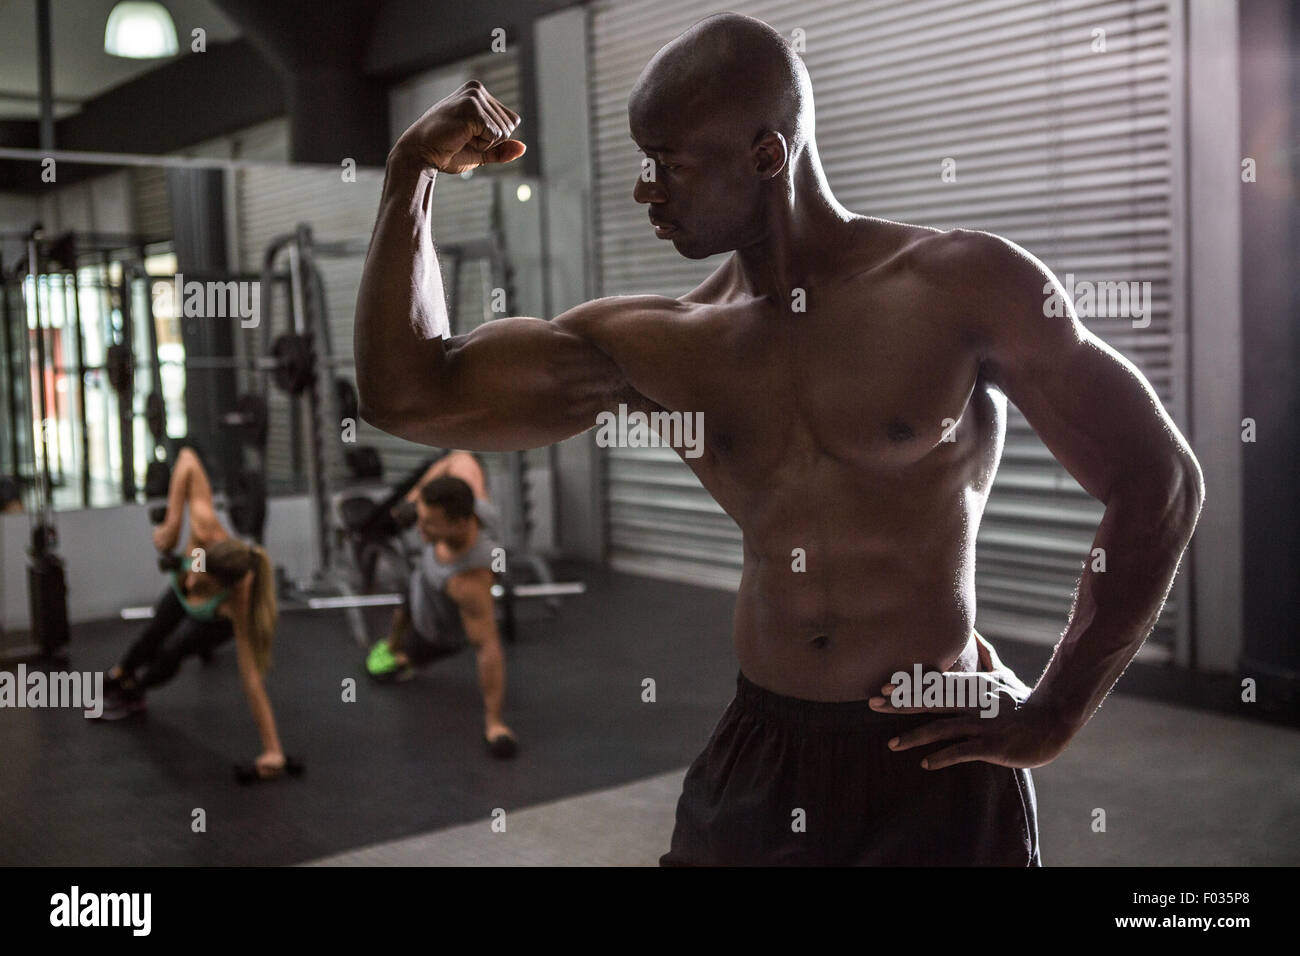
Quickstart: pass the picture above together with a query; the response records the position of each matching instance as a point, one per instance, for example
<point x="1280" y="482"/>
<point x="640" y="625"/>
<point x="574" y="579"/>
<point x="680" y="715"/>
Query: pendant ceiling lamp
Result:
<point x="140" y="30"/>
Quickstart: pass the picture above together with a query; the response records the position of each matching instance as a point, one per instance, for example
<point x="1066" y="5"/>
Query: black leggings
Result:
<point x="161" y="658"/>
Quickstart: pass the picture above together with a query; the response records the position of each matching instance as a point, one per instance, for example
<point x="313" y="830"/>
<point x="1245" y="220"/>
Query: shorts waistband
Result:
<point x="844" y="716"/>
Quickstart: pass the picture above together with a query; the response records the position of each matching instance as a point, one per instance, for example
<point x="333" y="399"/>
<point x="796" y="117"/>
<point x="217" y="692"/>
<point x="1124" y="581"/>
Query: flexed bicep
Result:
<point x="518" y="383"/>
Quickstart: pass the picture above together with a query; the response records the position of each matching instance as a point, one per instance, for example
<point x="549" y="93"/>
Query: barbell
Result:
<point x="292" y="362"/>
<point x="544" y="590"/>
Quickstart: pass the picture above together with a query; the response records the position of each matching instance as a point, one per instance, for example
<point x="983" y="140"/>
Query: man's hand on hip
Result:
<point x="1010" y="726"/>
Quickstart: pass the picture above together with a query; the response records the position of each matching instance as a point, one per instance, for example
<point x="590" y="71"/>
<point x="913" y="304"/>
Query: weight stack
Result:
<point x="47" y="590"/>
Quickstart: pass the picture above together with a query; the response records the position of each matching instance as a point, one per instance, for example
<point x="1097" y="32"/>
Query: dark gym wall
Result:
<point x="1270" y="126"/>
<point x="335" y="114"/>
<point x="337" y="61"/>
<point x="197" y="97"/>
<point x="192" y="99"/>
<point x="334" y="110"/>
<point x="408" y="35"/>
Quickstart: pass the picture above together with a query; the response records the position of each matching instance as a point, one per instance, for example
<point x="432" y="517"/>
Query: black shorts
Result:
<point x="785" y="781"/>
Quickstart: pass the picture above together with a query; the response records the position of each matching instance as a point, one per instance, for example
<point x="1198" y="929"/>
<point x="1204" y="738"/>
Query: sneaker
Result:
<point x="120" y="704"/>
<point x="382" y="665"/>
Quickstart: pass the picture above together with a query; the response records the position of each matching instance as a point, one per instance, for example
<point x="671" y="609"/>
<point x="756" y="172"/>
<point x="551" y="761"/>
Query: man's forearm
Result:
<point x="1142" y="537"/>
<point x="491" y="679"/>
<point x="481" y="629"/>
<point x="401" y="315"/>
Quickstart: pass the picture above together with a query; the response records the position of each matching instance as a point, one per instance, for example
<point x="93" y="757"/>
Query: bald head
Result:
<point x="729" y="70"/>
<point x="724" y="116"/>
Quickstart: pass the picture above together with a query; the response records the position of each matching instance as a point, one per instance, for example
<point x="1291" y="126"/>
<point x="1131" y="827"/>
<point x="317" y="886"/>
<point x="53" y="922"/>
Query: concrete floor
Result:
<point x="400" y="776"/>
<point x="1179" y="787"/>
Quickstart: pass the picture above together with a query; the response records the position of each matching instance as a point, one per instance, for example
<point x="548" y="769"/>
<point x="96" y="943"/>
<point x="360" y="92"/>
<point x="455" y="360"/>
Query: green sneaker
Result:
<point x="382" y="665"/>
<point x="380" y="660"/>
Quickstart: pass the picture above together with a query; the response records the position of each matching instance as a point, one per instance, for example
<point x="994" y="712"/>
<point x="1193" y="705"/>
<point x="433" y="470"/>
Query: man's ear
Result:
<point x="771" y="153"/>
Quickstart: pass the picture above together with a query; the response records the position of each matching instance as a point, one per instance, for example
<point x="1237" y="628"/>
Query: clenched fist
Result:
<point x="466" y="129"/>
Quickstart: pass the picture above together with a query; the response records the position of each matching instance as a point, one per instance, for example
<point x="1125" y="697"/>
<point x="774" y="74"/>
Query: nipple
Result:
<point x="899" y="431"/>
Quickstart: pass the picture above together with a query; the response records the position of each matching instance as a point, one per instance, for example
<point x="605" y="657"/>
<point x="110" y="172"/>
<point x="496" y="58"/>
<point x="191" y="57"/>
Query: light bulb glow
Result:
<point x="140" y="30"/>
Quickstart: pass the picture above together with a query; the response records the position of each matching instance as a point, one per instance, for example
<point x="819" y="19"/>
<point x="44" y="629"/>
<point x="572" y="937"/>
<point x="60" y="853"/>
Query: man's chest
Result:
<point x="871" y="377"/>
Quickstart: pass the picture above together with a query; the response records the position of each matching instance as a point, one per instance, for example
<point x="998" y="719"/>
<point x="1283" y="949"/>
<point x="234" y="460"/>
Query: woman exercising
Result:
<point x="222" y="588"/>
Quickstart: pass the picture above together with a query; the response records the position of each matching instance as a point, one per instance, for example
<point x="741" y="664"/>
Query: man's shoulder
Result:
<point x="619" y="310"/>
<point x="468" y="582"/>
<point x="973" y="262"/>
<point x="962" y="252"/>
<point x="633" y="330"/>
<point x="1003" y="293"/>
<point x="489" y="519"/>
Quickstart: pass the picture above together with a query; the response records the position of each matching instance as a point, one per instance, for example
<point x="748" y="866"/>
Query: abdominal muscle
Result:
<point x="839" y="633"/>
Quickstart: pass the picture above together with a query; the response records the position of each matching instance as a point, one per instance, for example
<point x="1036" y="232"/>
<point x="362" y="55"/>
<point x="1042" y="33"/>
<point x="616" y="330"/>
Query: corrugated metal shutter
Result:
<point x="1063" y="150"/>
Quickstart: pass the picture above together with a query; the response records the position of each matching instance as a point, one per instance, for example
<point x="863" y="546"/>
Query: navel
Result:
<point x="899" y="430"/>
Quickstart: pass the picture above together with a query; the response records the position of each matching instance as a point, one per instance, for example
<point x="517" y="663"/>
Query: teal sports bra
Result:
<point x="205" y="612"/>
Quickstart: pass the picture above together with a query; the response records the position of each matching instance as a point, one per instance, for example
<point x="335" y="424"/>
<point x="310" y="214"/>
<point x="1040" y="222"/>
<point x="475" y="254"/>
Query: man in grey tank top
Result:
<point x="449" y="602"/>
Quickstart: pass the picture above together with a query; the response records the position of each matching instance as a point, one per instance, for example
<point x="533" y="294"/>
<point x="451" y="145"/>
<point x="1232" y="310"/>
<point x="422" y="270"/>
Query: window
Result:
<point x="64" y="357"/>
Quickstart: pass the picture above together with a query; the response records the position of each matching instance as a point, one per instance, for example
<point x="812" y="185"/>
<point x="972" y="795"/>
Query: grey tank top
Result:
<point x="433" y="613"/>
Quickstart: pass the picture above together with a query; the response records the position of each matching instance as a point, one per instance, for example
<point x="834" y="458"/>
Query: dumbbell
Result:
<point x="158" y="514"/>
<point x="169" y="561"/>
<point x="246" y="773"/>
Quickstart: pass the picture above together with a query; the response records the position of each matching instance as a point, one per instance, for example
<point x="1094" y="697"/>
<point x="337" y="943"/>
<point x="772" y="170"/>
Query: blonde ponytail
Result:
<point x="262" y="609"/>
